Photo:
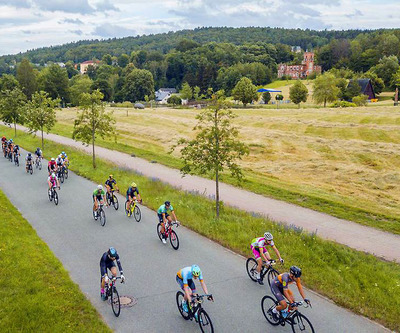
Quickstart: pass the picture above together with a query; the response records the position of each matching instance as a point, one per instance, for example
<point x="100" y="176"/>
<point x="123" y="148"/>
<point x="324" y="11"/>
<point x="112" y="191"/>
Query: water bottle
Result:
<point x="284" y="313"/>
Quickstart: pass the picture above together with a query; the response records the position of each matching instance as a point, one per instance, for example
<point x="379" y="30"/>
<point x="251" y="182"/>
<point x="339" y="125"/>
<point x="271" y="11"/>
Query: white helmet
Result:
<point x="53" y="175"/>
<point x="52" y="159"/>
<point x="59" y="156"/>
<point x="99" y="187"/>
<point x="268" y="236"/>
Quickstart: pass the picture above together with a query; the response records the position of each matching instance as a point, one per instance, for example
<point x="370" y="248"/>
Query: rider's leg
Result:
<point x="282" y="305"/>
<point x="114" y="271"/>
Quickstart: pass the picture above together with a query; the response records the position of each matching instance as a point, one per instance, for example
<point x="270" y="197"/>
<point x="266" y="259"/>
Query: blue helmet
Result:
<point x="112" y="252"/>
<point x="295" y="271"/>
<point x="11" y="141"/>
<point x="167" y="203"/>
<point x="195" y="270"/>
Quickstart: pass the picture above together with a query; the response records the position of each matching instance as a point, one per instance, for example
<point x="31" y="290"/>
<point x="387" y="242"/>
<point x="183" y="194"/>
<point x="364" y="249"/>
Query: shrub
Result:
<point x="126" y="104"/>
<point x="279" y="97"/>
<point x="360" y="100"/>
<point x="174" y="100"/>
<point x="343" y="104"/>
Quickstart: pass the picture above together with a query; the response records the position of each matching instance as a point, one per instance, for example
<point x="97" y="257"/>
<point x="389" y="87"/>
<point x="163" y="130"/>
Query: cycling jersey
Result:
<point x="283" y="280"/>
<point x="106" y="262"/>
<point x="131" y="192"/>
<point x="52" y="180"/>
<point x="52" y="164"/>
<point x="28" y="158"/>
<point x="38" y="152"/>
<point x="3" y="139"/>
<point x="185" y="274"/>
<point x="59" y="161"/>
<point x="98" y="193"/>
<point x="16" y="149"/>
<point x="110" y="183"/>
<point x="164" y="210"/>
<point x="260" y="242"/>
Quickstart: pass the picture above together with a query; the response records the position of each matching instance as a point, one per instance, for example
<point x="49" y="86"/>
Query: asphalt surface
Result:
<point x="149" y="266"/>
<point x="377" y="242"/>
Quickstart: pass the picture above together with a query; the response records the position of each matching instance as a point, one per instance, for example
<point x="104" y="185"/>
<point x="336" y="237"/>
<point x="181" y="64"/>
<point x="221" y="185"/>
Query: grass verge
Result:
<point x="264" y="186"/>
<point x="37" y="294"/>
<point x="352" y="279"/>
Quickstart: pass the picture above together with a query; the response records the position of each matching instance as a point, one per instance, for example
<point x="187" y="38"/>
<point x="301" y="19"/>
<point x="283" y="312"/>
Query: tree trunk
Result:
<point x="42" y="139"/>
<point x="15" y="128"/>
<point x="325" y="103"/>
<point x="217" y="193"/>
<point x="94" y="156"/>
<point x="216" y="164"/>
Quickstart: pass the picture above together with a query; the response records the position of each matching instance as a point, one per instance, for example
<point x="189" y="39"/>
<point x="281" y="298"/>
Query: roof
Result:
<point x="169" y="90"/>
<point x="160" y="95"/>
<point x="90" y="62"/>
<point x="363" y="83"/>
<point x="268" y="90"/>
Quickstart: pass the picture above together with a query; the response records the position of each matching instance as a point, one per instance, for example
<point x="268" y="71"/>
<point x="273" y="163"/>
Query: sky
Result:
<point x="30" y="24"/>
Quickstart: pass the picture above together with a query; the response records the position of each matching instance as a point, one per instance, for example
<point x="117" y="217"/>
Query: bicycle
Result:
<point x="202" y="316"/>
<point x="266" y="269"/>
<point x="297" y="320"/>
<point x="30" y="168"/>
<point x="134" y="210"/>
<point x="169" y="233"/>
<point x="10" y="155"/>
<point x="112" y="293"/>
<point x="53" y="195"/>
<point x="16" y="159"/>
<point x="66" y="170"/>
<point x="60" y="174"/>
<point x="112" y="199"/>
<point x="100" y="214"/>
<point x="38" y="163"/>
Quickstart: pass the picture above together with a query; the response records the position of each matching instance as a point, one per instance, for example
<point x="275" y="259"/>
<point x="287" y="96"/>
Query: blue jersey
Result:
<point x="186" y="274"/>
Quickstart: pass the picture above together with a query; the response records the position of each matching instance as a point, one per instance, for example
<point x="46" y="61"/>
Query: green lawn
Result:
<point x="352" y="279"/>
<point x="37" y="294"/>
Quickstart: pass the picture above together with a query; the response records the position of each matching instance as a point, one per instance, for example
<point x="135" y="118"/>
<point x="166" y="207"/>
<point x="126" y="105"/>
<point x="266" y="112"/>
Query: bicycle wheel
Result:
<point x="174" y="240"/>
<point x="205" y="322"/>
<point x="179" y="300"/>
<point x="115" y="302"/>
<point x="108" y="198"/>
<point x="267" y="304"/>
<point x="55" y="198"/>
<point x="61" y="176"/>
<point x="272" y="274"/>
<point x="300" y="323"/>
<point x="127" y="210"/>
<point x="159" y="231"/>
<point x="30" y="169"/>
<point x="40" y="165"/>
<point x="137" y="213"/>
<point x="66" y="173"/>
<point x="115" y="202"/>
<point x="102" y="218"/>
<point x="50" y="195"/>
<point x="251" y="267"/>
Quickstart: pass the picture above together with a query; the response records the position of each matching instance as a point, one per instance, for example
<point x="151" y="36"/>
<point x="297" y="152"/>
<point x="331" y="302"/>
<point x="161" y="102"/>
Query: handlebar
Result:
<point x="302" y="303"/>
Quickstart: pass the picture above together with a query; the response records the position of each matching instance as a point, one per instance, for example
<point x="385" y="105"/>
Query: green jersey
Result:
<point x="98" y="193"/>
<point x="164" y="209"/>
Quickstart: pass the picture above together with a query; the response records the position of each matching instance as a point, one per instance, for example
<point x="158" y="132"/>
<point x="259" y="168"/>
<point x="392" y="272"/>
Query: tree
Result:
<point x="385" y="69"/>
<point x="107" y="60"/>
<point x="186" y="91"/>
<point x="174" y="100"/>
<point x="71" y="70"/>
<point x="54" y="81"/>
<point x="104" y="87"/>
<point x="360" y="100"/>
<point x="215" y="147"/>
<point x="245" y="91"/>
<point x="325" y="89"/>
<point x="79" y="85"/>
<point x="27" y="78"/>
<point x="266" y="96"/>
<point x="8" y="82"/>
<point x="196" y="92"/>
<point x="93" y="121"/>
<point x="41" y="113"/>
<point x="138" y="84"/>
<point x="298" y="93"/>
<point x="377" y="82"/>
<point x="123" y="60"/>
<point x="12" y="107"/>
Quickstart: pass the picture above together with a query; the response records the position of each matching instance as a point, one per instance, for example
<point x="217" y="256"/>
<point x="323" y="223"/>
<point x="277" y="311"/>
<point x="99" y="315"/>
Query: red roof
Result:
<point x="90" y="62"/>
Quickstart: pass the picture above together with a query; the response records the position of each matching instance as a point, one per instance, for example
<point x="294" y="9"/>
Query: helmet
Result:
<point x="110" y="176"/>
<point x="53" y="175"/>
<point x="167" y="203"/>
<point x="52" y="159"/>
<point x="296" y="271"/>
<point x="112" y="252"/>
<point x="29" y="154"/>
<point x="3" y="137"/>
<point x="195" y="270"/>
<point x="18" y="148"/>
<point x="63" y="153"/>
<point x="99" y="187"/>
<point x="59" y="156"/>
<point x="11" y="141"/>
<point x="37" y="148"/>
<point x="268" y="236"/>
<point x="133" y="184"/>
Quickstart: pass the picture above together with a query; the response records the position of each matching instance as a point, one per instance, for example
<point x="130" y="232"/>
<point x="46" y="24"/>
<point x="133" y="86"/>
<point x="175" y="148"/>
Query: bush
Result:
<point x="360" y="100"/>
<point x="174" y="100"/>
<point x="126" y="104"/>
<point x="286" y="77"/>
<point x="343" y="104"/>
<point x="279" y="97"/>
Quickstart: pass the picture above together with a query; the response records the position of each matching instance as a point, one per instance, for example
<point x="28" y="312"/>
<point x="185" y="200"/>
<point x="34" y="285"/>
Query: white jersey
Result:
<point x="59" y="161"/>
<point x="261" y="242"/>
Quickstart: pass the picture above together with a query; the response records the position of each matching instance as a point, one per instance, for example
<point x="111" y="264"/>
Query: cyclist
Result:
<point x="16" y="151"/>
<point x="110" y="182"/>
<point x="280" y="289"/>
<point x="259" y="248"/>
<point x="98" y="197"/>
<point x="184" y="278"/>
<point x="107" y="262"/>
<point x="28" y="160"/>
<point x="10" y="148"/>
<point x="53" y="181"/>
<point x="131" y="195"/>
<point x="38" y="153"/>
<point x="60" y="163"/>
<point x="164" y="217"/>
<point x="52" y="166"/>
<point x="64" y="157"/>
<point x="3" y="142"/>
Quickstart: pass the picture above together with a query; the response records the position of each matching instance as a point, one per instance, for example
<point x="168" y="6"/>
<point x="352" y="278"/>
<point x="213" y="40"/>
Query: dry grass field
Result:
<point x="350" y="156"/>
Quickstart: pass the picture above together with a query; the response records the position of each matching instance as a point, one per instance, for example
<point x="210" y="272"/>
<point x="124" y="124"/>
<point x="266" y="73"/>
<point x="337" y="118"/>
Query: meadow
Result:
<point x="345" y="162"/>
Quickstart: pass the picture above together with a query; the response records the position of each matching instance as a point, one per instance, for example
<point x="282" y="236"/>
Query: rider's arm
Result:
<point x="203" y="285"/>
<point x="173" y="214"/>
<point x="300" y="287"/>
<point x="121" y="271"/>
<point x="277" y="252"/>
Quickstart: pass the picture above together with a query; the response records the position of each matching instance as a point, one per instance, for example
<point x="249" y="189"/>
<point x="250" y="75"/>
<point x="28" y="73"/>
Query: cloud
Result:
<point x="109" y="30"/>
<point x="72" y="21"/>
<point x="105" y="5"/>
<point x="70" y="6"/>
<point x="76" y="32"/>
<point x="16" y="3"/>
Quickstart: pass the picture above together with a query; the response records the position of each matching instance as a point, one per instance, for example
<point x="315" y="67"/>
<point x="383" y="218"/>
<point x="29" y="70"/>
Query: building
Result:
<point x="85" y="64"/>
<point x="300" y="71"/>
<point x="163" y="94"/>
<point x="366" y="88"/>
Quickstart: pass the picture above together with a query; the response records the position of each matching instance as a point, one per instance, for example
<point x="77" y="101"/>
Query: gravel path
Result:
<point x="382" y="244"/>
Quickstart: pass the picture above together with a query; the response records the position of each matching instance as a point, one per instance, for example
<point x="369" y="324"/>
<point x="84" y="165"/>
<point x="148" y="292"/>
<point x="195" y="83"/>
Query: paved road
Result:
<point x="149" y="266"/>
<point x="374" y="241"/>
